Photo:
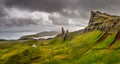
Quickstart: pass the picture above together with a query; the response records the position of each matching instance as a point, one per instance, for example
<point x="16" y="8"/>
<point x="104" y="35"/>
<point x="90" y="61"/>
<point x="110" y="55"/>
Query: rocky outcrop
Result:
<point x="65" y="35"/>
<point x="63" y="31"/>
<point x="103" y="22"/>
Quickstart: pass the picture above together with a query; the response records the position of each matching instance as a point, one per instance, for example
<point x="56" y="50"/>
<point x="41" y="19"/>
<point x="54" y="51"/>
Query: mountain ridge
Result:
<point x="103" y="22"/>
<point x="41" y="34"/>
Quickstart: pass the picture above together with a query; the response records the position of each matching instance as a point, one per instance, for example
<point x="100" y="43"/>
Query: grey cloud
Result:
<point x="58" y="5"/>
<point x="1" y="12"/>
<point x="82" y="6"/>
<point x="2" y="2"/>
<point x="43" y="5"/>
<point x="86" y="6"/>
<point x="59" y="20"/>
<point x="98" y="4"/>
<point x="17" y="22"/>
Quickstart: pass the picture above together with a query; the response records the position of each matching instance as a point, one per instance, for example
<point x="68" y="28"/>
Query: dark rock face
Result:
<point x="65" y="35"/>
<point x="63" y="31"/>
<point x="103" y="22"/>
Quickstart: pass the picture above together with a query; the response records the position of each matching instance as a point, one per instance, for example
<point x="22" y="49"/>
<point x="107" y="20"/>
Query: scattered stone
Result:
<point x="34" y="46"/>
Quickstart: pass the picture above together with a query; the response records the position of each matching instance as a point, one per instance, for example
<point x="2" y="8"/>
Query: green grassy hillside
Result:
<point x="98" y="43"/>
<point x="94" y="47"/>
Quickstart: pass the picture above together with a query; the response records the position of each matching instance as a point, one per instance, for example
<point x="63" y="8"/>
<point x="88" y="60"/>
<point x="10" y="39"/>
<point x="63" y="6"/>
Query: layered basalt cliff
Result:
<point x="103" y="22"/>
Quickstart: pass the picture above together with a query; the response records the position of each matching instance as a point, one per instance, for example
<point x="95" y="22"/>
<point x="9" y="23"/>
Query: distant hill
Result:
<point x="41" y="34"/>
<point x="2" y="40"/>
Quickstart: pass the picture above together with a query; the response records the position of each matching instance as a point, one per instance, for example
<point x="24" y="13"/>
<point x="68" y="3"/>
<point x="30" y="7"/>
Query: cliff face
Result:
<point x="103" y="22"/>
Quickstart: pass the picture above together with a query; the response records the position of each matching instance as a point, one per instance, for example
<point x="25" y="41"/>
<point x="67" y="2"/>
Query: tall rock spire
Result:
<point x="63" y="31"/>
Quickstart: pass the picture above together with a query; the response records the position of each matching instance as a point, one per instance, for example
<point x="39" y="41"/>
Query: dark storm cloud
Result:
<point x="98" y="4"/>
<point x="43" y="5"/>
<point x="58" y="5"/>
<point x="83" y="8"/>
<point x="1" y="12"/>
<point x="16" y="22"/>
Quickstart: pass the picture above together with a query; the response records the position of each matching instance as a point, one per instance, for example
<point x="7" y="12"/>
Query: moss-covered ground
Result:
<point x="94" y="47"/>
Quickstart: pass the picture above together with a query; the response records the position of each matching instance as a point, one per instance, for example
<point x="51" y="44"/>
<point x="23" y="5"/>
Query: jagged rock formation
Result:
<point x="63" y="31"/>
<point x="103" y="22"/>
<point x="65" y="35"/>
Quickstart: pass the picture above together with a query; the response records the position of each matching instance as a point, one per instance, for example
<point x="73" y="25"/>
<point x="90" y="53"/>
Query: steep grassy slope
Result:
<point x="99" y="43"/>
<point x="94" y="47"/>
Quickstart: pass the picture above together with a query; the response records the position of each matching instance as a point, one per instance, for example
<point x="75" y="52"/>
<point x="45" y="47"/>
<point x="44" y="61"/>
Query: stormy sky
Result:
<point x="31" y="15"/>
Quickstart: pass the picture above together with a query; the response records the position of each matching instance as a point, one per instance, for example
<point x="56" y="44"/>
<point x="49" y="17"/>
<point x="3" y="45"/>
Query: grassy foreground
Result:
<point x="94" y="47"/>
